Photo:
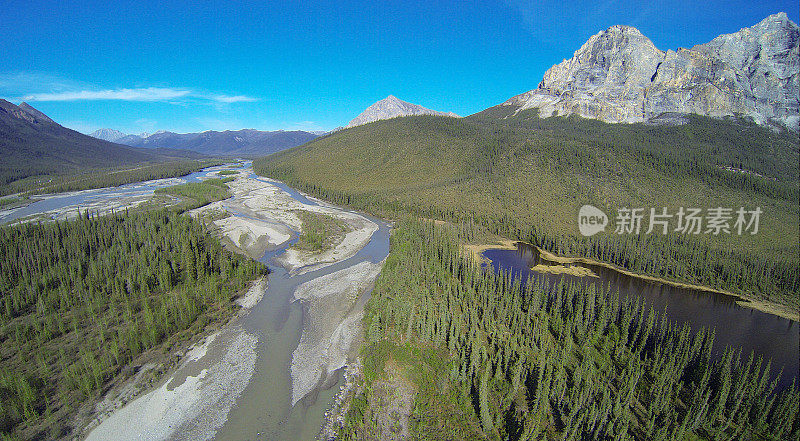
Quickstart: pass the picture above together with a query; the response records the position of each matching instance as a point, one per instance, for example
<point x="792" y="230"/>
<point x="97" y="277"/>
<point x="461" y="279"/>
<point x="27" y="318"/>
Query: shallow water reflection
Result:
<point x="766" y="335"/>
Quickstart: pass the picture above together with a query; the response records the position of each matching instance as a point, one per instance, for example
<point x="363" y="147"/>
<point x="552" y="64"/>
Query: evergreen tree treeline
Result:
<point x="525" y="177"/>
<point x="568" y="362"/>
<point x="104" y="177"/>
<point x="81" y="299"/>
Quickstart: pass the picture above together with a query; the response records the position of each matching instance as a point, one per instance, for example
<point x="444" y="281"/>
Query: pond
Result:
<point x="764" y="334"/>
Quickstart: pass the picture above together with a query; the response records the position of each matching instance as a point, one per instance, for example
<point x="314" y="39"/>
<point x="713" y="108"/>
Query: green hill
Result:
<point x="525" y="177"/>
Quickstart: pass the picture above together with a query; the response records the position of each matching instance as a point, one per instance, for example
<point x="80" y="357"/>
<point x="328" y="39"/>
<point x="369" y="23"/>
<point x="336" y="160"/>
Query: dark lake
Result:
<point x="767" y="335"/>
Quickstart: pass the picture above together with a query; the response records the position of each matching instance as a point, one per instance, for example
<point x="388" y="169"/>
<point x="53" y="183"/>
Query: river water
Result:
<point x="262" y="402"/>
<point x="263" y="411"/>
<point x="64" y="205"/>
<point x="766" y="335"/>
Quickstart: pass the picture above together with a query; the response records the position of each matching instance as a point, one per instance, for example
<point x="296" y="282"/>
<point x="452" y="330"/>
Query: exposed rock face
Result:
<point x="26" y="113"/>
<point x="108" y="134"/>
<point x="391" y="107"/>
<point x="618" y="75"/>
<point x="37" y="115"/>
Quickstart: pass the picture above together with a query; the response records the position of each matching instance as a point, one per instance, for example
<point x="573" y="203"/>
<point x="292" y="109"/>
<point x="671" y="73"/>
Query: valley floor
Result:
<point x="194" y="400"/>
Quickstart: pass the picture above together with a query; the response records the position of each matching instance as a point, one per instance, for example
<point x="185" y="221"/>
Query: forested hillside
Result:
<point x="33" y="145"/>
<point x="83" y="298"/>
<point x="525" y="178"/>
<point x="110" y="177"/>
<point x="489" y="358"/>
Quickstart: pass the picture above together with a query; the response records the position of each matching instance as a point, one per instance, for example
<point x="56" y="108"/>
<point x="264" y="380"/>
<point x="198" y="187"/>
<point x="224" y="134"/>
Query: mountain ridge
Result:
<point x="393" y="107"/>
<point x="37" y="115"/>
<point x="31" y="144"/>
<point x="109" y="135"/>
<point x="619" y="75"/>
<point x="244" y="142"/>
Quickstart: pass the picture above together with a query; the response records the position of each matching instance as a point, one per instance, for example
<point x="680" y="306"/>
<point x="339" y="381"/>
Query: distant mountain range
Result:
<point x="109" y="135"/>
<point x="243" y="143"/>
<point x="619" y="75"/>
<point x="392" y="107"/>
<point x="31" y="144"/>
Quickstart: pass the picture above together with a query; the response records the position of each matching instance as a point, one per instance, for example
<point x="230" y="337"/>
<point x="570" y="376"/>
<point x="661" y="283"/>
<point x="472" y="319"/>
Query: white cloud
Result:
<point x="141" y="94"/>
<point x="37" y="86"/>
<point x="138" y="94"/>
<point x="233" y="99"/>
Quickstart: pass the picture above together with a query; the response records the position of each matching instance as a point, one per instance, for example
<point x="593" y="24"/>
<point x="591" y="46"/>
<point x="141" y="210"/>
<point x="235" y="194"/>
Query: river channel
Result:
<point x="247" y="380"/>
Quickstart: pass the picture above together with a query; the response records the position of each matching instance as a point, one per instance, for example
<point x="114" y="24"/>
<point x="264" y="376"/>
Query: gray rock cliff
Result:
<point x="618" y="75"/>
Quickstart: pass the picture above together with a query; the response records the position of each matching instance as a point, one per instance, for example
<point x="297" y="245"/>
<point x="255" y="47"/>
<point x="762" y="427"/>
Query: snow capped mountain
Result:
<point x="392" y="107"/>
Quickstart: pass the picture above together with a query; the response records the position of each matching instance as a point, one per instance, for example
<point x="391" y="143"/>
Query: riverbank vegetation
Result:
<point x="197" y="194"/>
<point x="110" y="177"/>
<point x="320" y="231"/>
<point x="80" y="300"/>
<point x="492" y="358"/>
<point x="10" y="201"/>
<point x="525" y="178"/>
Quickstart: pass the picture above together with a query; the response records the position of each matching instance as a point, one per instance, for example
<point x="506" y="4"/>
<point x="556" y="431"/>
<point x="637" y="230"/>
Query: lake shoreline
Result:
<point x="742" y="300"/>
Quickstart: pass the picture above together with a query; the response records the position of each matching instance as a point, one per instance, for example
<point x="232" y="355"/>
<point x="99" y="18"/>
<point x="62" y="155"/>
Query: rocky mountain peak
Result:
<point x="612" y="63"/>
<point x="616" y="39"/>
<point x="108" y="134"/>
<point x="25" y="112"/>
<point x="619" y="35"/>
<point x="393" y="107"/>
<point x="37" y="115"/>
<point x="774" y="21"/>
<point x="619" y="75"/>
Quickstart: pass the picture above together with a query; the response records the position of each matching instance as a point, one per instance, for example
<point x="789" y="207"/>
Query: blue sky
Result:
<point x="152" y="65"/>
